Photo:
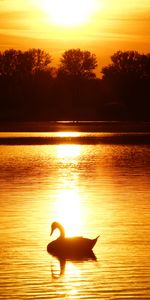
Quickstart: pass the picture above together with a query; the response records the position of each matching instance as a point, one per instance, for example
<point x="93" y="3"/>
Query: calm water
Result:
<point x="92" y="189"/>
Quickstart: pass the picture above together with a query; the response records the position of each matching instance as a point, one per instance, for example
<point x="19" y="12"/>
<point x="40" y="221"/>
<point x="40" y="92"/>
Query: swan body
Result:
<point x="70" y="247"/>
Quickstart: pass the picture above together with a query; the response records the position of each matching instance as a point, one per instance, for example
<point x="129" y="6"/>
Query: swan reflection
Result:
<point x="60" y="264"/>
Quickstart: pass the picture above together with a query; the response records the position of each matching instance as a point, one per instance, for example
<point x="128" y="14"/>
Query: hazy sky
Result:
<point x="101" y="26"/>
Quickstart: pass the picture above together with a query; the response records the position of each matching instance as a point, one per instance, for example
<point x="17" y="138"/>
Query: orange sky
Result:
<point x="103" y="26"/>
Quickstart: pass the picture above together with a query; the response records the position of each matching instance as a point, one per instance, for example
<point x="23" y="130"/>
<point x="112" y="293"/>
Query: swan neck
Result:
<point x="62" y="231"/>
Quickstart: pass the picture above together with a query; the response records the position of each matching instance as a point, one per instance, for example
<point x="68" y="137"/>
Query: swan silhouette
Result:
<point x="70" y="247"/>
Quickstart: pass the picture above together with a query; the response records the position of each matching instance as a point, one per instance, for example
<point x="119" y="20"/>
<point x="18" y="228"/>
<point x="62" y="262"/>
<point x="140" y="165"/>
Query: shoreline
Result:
<point x="79" y="126"/>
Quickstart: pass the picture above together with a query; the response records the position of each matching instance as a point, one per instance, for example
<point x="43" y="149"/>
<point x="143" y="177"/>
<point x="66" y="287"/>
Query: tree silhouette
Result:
<point x="38" y="60"/>
<point x="128" y="64"/>
<point x="77" y="63"/>
<point x="18" y="63"/>
<point x="127" y="79"/>
<point x="25" y="80"/>
<point x="30" y="89"/>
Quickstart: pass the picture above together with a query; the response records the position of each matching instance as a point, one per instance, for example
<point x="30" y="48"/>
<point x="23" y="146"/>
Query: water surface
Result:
<point x="92" y="189"/>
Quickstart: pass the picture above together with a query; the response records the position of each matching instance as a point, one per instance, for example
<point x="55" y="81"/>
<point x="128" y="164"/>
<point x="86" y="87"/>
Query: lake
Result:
<point x="94" y="184"/>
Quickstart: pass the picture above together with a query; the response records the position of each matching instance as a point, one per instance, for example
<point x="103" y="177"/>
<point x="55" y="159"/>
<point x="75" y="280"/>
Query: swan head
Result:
<point x="56" y="225"/>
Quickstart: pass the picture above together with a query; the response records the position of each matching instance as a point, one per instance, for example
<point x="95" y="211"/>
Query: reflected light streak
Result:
<point x="68" y="151"/>
<point x="68" y="134"/>
<point x="67" y="208"/>
<point x="68" y="211"/>
<point x="72" y="269"/>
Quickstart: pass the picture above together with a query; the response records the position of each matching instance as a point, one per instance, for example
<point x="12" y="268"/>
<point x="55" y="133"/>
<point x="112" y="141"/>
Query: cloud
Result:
<point x="13" y="21"/>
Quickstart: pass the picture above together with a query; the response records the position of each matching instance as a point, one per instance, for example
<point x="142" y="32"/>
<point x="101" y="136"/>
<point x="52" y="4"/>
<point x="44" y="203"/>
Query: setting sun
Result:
<point x="68" y="12"/>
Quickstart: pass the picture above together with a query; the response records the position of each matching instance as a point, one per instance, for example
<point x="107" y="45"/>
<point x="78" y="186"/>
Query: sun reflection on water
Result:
<point x="67" y="208"/>
<point x="68" y="134"/>
<point x="68" y="151"/>
<point x="68" y="211"/>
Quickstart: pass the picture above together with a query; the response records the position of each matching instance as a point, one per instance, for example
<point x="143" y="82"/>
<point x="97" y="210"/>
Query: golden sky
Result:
<point x="101" y="26"/>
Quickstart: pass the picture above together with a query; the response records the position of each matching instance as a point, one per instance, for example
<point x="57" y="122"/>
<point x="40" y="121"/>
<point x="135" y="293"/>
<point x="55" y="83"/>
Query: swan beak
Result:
<point x="51" y="232"/>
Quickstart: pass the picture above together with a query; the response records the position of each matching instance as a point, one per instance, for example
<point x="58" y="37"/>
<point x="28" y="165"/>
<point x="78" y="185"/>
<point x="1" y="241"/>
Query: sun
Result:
<point x="68" y="13"/>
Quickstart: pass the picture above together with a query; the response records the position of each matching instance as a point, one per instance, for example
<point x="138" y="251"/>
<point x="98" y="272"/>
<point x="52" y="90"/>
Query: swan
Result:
<point x="70" y="246"/>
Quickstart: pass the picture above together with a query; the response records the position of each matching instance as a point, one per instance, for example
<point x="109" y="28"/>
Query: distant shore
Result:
<point x="80" y="126"/>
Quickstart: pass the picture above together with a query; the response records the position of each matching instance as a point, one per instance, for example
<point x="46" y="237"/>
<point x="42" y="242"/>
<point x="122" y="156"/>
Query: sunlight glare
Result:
<point x="67" y="208"/>
<point x="68" y="13"/>
<point x="68" y="211"/>
<point x="72" y="270"/>
<point x="68" y="151"/>
<point x="68" y="134"/>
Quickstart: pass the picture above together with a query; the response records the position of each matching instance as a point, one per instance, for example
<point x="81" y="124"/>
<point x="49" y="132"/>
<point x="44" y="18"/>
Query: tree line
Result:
<point x="31" y="88"/>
